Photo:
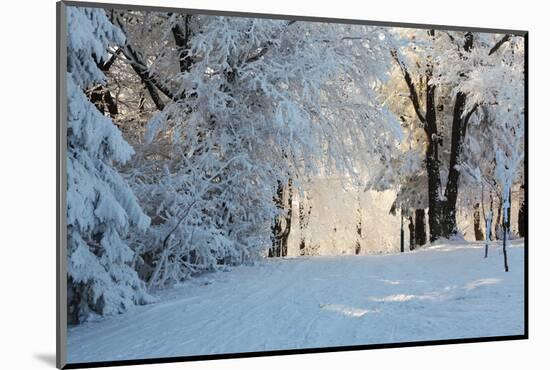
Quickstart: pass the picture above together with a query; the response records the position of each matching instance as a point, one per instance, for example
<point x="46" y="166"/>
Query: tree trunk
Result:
<point x="477" y="223"/>
<point x="146" y="79"/>
<point x="504" y="235"/>
<point x="505" y="201"/>
<point x="499" y="221"/>
<point x="458" y="132"/>
<point x="402" y="234"/>
<point x="488" y="225"/>
<point x="491" y="235"/>
<point x="509" y="212"/>
<point x="277" y="227"/>
<point x="444" y="214"/>
<point x="281" y="225"/>
<point x="303" y="221"/>
<point x="432" y="162"/>
<point x="181" y="38"/>
<point x="434" y="203"/>
<point x="420" y="227"/>
<point x="101" y="97"/>
<point x="288" y="221"/>
<point x="411" y="234"/>
<point x="521" y="218"/>
<point x="359" y="230"/>
<point x="504" y="252"/>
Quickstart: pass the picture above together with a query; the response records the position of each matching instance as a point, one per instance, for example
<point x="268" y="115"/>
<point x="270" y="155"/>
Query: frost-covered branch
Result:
<point x="413" y="94"/>
<point x="499" y="43"/>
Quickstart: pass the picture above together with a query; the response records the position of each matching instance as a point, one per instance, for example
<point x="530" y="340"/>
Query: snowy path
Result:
<point x="438" y="293"/>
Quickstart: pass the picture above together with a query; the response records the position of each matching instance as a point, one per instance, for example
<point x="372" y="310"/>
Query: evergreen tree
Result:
<point x="100" y="205"/>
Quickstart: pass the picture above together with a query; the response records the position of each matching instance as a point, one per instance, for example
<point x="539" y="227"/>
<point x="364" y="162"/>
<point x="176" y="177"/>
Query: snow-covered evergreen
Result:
<point x="101" y="207"/>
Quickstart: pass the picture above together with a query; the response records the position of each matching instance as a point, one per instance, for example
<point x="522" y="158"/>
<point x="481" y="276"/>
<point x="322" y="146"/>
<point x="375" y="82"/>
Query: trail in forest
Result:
<point x="442" y="292"/>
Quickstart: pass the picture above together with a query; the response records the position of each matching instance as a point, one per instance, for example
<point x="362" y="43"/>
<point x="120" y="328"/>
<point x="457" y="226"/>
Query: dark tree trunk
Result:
<point x="478" y="232"/>
<point x="110" y="103"/>
<point x="141" y="104"/>
<point x="359" y="230"/>
<point x="277" y="227"/>
<point x="509" y="211"/>
<point x="436" y="206"/>
<point x="99" y="95"/>
<point x="458" y="131"/>
<point x="491" y="234"/>
<point x="504" y="237"/>
<point x="420" y="227"/>
<point x="432" y="159"/>
<point x="182" y="35"/>
<point x="443" y="216"/>
<point x="288" y="222"/>
<point x="411" y="234"/>
<point x="148" y="83"/>
<point x="402" y="234"/>
<point x="302" y="247"/>
<point x="499" y="222"/>
<point x="488" y="225"/>
<point x="281" y="225"/>
<point x="303" y="221"/>
<point x="429" y="122"/>
<point x="521" y="218"/>
<point x="96" y="97"/>
<point x="103" y="100"/>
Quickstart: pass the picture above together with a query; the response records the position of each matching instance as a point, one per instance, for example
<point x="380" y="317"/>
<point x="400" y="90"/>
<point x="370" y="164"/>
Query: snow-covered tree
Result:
<point x="433" y="64"/>
<point x="101" y="207"/>
<point x="497" y="85"/>
<point x="260" y="105"/>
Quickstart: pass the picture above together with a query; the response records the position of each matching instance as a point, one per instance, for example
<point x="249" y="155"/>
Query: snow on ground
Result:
<point x="442" y="292"/>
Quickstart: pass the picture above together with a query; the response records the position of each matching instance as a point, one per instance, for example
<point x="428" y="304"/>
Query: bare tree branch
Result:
<point x="265" y="48"/>
<point x="181" y="38"/>
<point x="258" y="55"/>
<point x="147" y="79"/>
<point x="413" y="95"/>
<point x="499" y="43"/>
<point x="105" y="66"/>
<point x="467" y="117"/>
<point x="143" y="72"/>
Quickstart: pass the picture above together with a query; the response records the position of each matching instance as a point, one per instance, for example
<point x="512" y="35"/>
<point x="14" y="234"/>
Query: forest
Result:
<point x="203" y="145"/>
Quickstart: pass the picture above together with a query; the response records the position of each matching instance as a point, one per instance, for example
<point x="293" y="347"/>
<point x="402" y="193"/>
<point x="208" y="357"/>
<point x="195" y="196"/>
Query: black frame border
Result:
<point x="61" y="327"/>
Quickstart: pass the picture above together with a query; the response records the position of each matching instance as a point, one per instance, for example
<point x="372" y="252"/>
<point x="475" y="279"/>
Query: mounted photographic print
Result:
<point x="235" y="185"/>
